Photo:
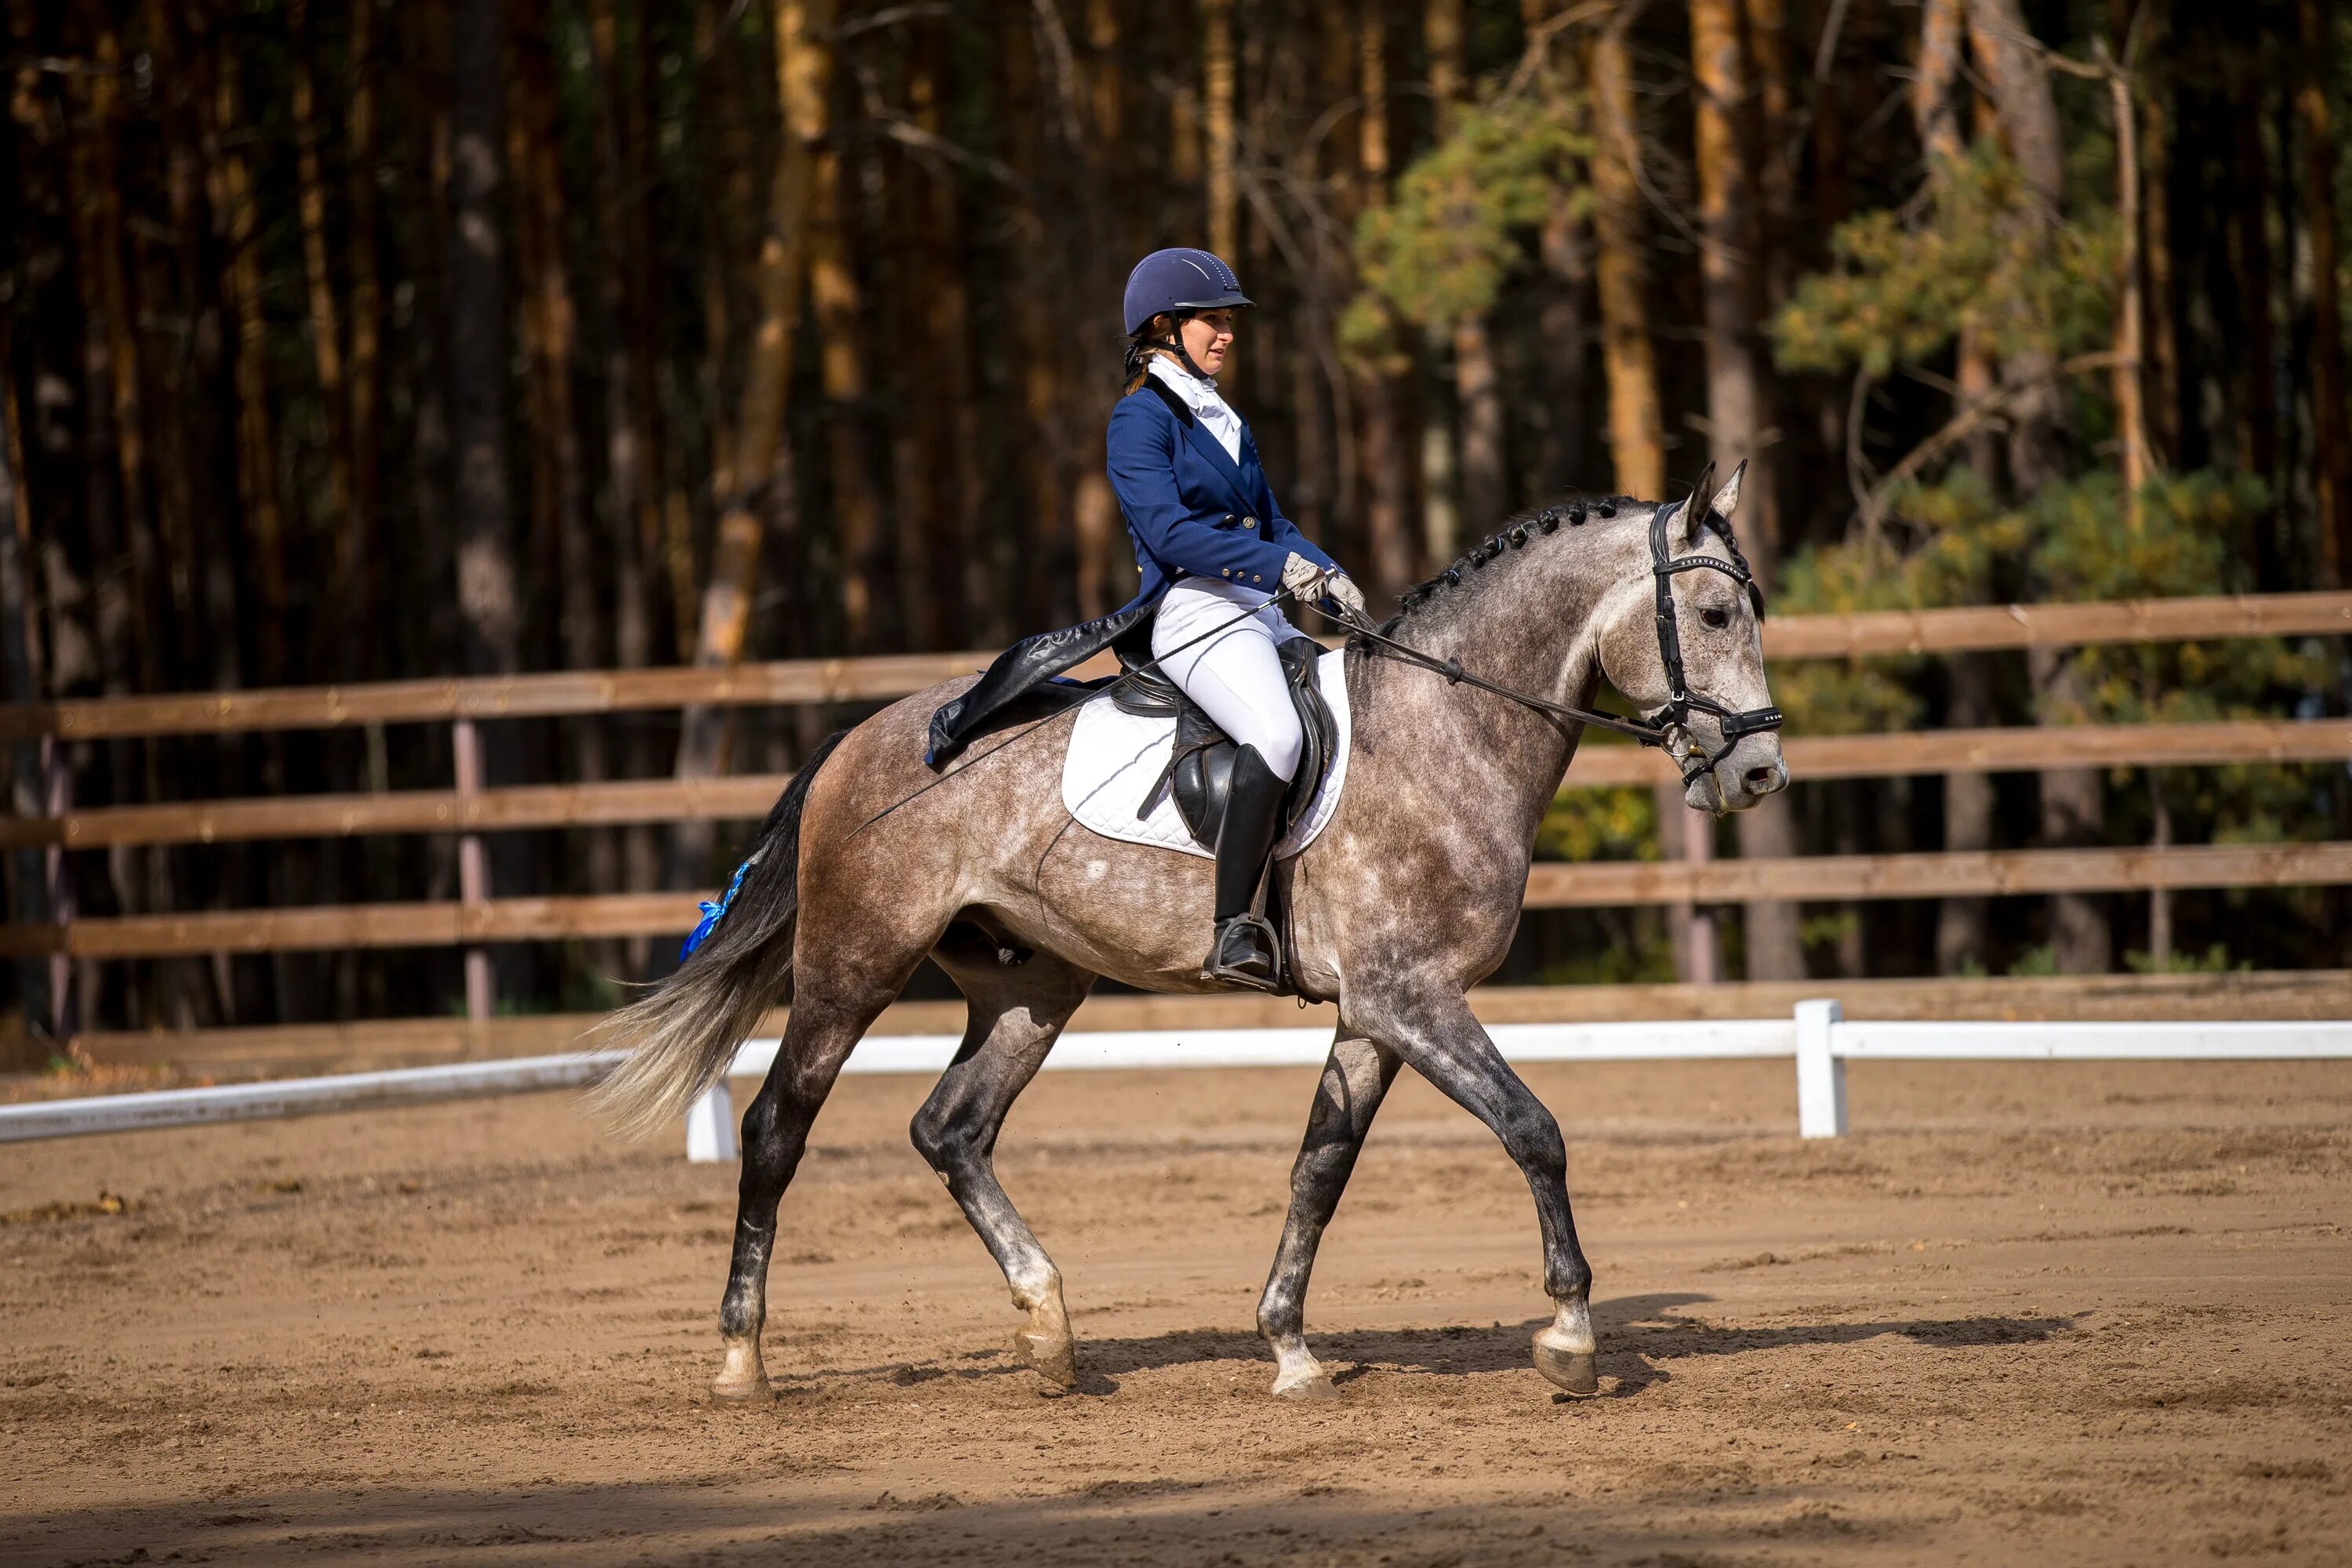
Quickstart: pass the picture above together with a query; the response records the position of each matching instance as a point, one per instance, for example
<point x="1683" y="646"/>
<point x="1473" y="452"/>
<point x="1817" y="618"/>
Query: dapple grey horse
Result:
<point x="1407" y="898"/>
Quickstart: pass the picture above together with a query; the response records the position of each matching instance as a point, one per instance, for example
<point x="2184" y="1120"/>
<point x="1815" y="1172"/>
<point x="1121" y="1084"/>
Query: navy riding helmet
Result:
<point x="1181" y="278"/>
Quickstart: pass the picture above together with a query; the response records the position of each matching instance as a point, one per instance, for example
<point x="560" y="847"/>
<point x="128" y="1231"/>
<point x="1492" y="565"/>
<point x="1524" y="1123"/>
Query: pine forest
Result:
<point x="348" y="341"/>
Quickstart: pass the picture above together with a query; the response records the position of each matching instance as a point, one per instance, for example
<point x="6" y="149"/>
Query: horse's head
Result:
<point x="1687" y="650"/>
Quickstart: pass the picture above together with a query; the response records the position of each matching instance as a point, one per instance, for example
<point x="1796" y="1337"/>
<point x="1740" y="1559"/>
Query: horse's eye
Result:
<point x="1719" y="619"/>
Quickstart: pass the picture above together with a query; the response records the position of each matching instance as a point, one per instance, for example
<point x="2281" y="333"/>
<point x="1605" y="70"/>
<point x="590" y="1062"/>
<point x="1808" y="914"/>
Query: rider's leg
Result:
<point x="1235" y="677"/>
<point x="1237" y="680"/>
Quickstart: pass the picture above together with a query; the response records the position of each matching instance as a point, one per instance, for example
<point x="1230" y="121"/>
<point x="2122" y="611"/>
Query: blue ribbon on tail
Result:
<point x="713" y="913"/>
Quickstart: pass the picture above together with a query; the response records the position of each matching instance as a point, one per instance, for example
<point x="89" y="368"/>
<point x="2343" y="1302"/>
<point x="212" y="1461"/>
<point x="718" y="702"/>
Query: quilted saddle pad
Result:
<point x="1115" y="757"/>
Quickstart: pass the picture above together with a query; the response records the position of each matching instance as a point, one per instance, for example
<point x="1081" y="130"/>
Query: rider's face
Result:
<point x="1207" y="338"/>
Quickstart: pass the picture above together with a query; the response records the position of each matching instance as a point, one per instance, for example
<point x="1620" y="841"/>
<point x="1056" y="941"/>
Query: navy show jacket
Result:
<point x="1192" y="510"/>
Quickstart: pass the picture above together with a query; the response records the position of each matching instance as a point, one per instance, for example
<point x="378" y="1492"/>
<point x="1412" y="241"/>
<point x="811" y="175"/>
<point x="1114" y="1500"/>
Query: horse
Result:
<point x="1462" y="734"/>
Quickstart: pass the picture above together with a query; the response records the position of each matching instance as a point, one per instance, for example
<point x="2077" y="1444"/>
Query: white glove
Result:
<point x="1343" y="588"/>
<point x="1303" y="578"/>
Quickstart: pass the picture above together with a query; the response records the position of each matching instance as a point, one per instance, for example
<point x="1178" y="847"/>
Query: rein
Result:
<point x="1662" y="726"/>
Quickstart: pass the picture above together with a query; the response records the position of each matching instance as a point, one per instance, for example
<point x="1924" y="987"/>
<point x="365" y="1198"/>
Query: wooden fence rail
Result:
<point x="1550" y="886"/>
<point x="1878" y="633"/>
<point x="748" y="796"/>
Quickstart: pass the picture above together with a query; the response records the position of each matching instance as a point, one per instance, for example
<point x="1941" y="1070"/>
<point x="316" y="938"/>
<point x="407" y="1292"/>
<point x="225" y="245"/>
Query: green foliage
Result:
<point x="1615" y="823"/>
<point x="1828" y="931"/>
<point x="2036" y="961"/>
<point x="1905" y="286"/>
<point x="2214" y="960"/>
<point x="2195" y="536"/>
<point x="1440" y="251"/>
<point x="1649" y="960"/>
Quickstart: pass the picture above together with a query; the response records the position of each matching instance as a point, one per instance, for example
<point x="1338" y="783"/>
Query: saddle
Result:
<point x="1200" y="771"/>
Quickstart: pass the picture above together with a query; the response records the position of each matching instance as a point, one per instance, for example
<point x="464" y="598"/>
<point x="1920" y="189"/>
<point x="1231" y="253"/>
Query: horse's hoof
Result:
<point x="1315" y="1388"/>
<point x="742" y="1379"/>
<point x="1574" y="1373"/>
<point x="1054" y="1356"/>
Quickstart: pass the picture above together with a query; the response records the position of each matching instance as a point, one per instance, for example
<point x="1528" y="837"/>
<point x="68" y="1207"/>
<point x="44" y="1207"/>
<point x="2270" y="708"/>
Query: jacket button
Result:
<point x="1249" y="522"/>
<point x="1258" y="579"/>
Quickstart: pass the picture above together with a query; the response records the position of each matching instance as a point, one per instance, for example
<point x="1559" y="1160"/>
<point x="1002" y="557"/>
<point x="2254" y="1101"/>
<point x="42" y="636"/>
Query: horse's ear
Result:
<point x="1694" y="510"/>
<point x="1726" y="499"/>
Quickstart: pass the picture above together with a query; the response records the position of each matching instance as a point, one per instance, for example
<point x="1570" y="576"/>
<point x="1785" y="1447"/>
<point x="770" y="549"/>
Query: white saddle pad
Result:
<point x="1115" y="757"/>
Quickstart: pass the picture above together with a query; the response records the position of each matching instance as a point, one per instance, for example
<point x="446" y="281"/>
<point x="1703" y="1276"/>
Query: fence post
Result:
<point x="711" y="1126"/>
<point x="1820" y="1072"/>
<point x="473" y="870"/>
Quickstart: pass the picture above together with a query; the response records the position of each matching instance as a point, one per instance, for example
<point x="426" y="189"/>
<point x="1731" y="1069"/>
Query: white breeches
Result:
<point x="1234" y="676"/>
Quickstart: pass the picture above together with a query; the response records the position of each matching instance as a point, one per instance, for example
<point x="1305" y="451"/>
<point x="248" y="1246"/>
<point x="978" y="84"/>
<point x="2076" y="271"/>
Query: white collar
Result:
<point x="1199" y="392"/>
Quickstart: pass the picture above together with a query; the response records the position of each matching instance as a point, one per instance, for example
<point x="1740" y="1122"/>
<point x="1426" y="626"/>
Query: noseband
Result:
<point x="1665" y="727"/>
<point x="1673" y="720"/>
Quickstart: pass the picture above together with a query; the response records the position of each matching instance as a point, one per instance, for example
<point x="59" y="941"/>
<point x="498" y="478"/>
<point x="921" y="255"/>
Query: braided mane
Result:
<point x="1514" y="536"/>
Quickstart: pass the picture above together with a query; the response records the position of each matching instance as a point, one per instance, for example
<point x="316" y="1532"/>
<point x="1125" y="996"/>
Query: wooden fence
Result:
<point x="469" y="811"/>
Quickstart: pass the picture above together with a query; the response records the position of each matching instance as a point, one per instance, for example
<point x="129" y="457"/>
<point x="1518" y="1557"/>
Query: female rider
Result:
<point x="1212" y="546"/>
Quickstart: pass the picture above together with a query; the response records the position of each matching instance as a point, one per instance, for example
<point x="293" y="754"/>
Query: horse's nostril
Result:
<point x="1759" y="780"/>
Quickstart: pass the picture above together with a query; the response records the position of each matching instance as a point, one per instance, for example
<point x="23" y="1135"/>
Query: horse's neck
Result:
<point x="1516" y="754"/>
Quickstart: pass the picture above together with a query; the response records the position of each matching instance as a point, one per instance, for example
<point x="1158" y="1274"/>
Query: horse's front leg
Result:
<point x="1442" y="1041"/>
<point x="1356" y="1076"/>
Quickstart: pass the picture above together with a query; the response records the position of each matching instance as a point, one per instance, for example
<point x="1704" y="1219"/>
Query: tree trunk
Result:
<point x="326" y="324"/>
<point x="1387" y="476"/>
<point x="1961" y="928"/>
<point x="2331" y="440"/>
<point x="1478" y="394"/>
<point x="27" y="903"/>
<point x="2157" y="106"/>
<point x="946" y="392"/>
<point x="1636" y="432"/>
<point x="2019" y="85"/>
<point x="1960" y="922"/>
<point x="834" y="301"/>
<point x="356" y="567"/>
<point x="1564" y="329"/>
<point x="759" y="454"/>
<point x="554" y="329"/>
<point x="2072" y="800"/>
<point x="2251" y="265"/>
<point x="2131" y="418"/>
<point x="1774" y="943"/>
<point x="1774" y="122"/>
<point x="1217" y="97"/>
<point x="488" y="596"/>
<point x="1471" y="471"/>
<point x="1934" y="110"/>
<point x="256" y="441"/>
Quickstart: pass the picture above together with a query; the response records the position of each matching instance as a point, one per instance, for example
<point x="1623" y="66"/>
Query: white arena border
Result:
<point x="1816" y="1037"/>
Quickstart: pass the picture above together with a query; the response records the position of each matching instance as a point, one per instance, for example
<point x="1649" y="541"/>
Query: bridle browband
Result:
<point x="1663" y="726"/>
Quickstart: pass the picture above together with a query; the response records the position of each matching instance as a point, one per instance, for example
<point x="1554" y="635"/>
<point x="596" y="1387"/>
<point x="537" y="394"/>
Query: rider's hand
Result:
<point x="1350" y="598"/>
<point x="1303" y="578"/>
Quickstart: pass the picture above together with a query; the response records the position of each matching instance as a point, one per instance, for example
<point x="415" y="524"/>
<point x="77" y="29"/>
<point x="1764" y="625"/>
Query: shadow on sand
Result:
<point x="1638" y="1333"/>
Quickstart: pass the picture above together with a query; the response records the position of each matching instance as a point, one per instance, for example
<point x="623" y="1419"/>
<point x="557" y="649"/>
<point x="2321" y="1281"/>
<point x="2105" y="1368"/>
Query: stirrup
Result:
<point x="1246" y="952"/>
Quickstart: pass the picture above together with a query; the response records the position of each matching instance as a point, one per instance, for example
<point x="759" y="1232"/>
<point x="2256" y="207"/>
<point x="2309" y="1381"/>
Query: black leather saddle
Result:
<point x="1200" y="771"/>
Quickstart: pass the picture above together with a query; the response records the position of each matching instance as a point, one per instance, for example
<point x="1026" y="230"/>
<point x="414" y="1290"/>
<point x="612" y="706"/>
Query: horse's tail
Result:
<point x="689" y="1028"/>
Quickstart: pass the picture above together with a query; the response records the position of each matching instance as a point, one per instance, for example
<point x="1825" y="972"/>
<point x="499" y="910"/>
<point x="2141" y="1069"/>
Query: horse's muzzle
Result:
<point x="1742" y="777"/>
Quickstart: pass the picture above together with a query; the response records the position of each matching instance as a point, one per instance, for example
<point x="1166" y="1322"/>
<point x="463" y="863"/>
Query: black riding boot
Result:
<point x="1245" y="950"/>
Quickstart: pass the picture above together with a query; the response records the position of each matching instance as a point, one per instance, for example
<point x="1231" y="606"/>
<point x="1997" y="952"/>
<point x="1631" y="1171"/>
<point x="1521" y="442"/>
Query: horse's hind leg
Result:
<point x="1356" y="1076"/>
<point x="818" y="1037"/>
<point x="1445" y="1043"/>
<point x="1017" y="1013"/>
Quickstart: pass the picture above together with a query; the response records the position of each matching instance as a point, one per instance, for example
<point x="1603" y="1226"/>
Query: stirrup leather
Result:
<point x="1246" y="952"/>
